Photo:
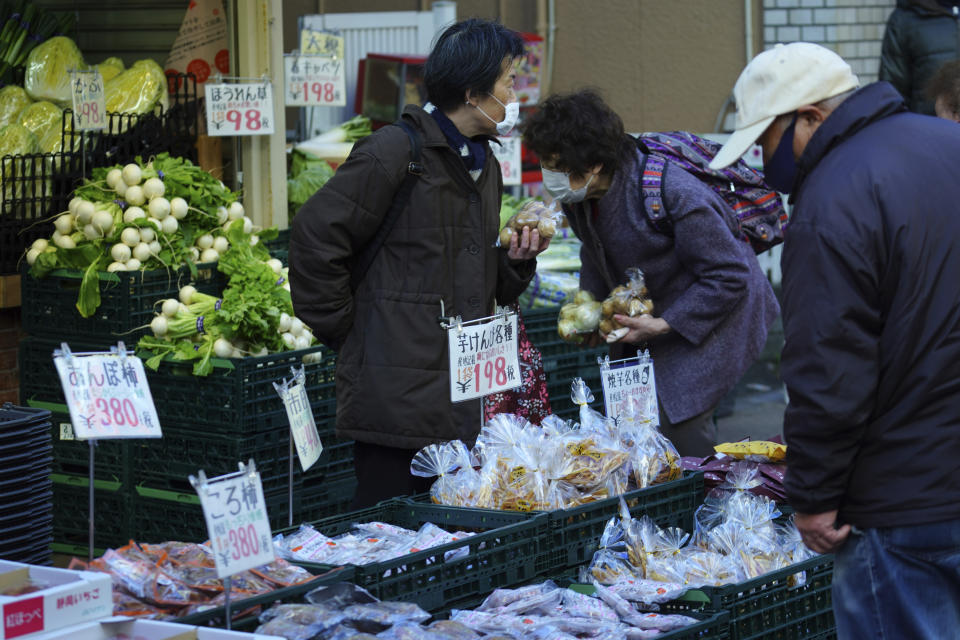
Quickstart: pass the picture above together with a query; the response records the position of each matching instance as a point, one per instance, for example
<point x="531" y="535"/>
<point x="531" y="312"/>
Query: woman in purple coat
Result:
<point x="712" y="303"/>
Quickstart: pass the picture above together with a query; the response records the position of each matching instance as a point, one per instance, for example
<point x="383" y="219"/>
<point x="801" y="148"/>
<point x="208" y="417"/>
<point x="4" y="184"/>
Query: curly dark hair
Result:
<point x="468" y="55"/>
<point x="945" y="84"/>
<point x="576" y="132"/>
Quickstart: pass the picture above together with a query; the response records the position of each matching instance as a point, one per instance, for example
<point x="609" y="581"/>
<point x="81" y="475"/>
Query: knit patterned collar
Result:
<point x="472" y="153"/>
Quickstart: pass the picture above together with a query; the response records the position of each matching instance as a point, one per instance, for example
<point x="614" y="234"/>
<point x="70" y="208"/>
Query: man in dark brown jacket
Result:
<point x="439" y="258"/>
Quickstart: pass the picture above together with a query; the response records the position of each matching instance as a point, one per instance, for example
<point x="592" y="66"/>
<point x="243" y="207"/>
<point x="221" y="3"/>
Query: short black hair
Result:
<point x="468" y="55"/>
<point x="945" y="84"/>
<point x="580" y="131"/>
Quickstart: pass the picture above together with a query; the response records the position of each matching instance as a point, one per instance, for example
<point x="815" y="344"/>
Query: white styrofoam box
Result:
<point x="68" y="598"/>
<point x="123" y="628"/>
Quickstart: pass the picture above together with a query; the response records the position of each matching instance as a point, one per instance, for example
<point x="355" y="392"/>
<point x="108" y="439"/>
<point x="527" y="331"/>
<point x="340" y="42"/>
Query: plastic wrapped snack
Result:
<point x="754" y="450"/>
<point x="652" y="458"/>
<point x="579" y="605"/>
<point x="647" y="591"/>
<point x="450" y="630"/>
<point x="442" y="461"/>
<point x="626" y="300"/>
<point x="538" y="599"/>
<point x="579" y="317"/>
<point x="385" y="613"/>
<point x="298" y="621"/>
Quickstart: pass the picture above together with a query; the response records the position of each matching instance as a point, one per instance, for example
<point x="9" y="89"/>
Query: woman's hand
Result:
<point x="640" y="329"/>
<point x="527" y="245"/>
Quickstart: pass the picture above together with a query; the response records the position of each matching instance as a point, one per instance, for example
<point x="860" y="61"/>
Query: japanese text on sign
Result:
<point x="242" y="109"/>
<point x="508" y="155"/>
<point x="483" y="358"/>
<point x="237" y="524"/>
<point x="314" y="81"/>
<point x="108" y="396"/>
<point x="300" y="414"/>
<point x="630" y="391"/>
<point x="89" y="109"/>
<point x="321" y="43"/>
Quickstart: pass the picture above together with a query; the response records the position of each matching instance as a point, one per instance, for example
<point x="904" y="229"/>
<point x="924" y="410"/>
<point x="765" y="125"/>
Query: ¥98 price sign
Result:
<point x="483" y="357"/>
<point x="241" y="109"/>
<point x="89" y="109"/>
<point x="237" y="523"/>
<point x="508" y="155"/>
<point x="108" y="396"/>
<point x="314" y="81"/>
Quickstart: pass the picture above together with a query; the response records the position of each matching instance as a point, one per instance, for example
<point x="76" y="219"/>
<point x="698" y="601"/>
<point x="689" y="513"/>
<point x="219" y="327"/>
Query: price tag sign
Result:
<point x="322" y="43"/>
<point x="108" y="396"/>
<point x="483" y="357"/>
<point x="630" y="390"/>
<point x="241" y="109"/>
<point x="302" y="425"/>
<point x="314" y="81"/>
<point x="508" y="154"/>
<point x="89" y="110"/>
<point x="237" y="523"/>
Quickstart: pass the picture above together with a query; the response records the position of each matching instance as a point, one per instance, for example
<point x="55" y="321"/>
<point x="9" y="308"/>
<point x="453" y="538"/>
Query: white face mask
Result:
<point x="557" y="184"/>
<point x="511" y="111"/>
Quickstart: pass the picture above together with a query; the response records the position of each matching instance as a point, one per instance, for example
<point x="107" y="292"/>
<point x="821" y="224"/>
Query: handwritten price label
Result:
<point x="631" y="390"/>
<point x="108" y="396"/>
<point x="89" y="110"/>
<point x="244" y="109"/>
<point x="314" y="81"/>
<point x="483" y="358"/>
<point x="237" y="523"/>
<point x="508" y="154"/>
<point x="302" y="425"/>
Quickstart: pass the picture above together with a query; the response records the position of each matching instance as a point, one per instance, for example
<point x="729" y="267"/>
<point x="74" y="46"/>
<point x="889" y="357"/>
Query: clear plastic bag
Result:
<point x="298" y="621"/>
<point x="647" y="591"/>
<point x="539" y="599"/>
<point x="630" y="299"/>
<point x="385" y="613"/>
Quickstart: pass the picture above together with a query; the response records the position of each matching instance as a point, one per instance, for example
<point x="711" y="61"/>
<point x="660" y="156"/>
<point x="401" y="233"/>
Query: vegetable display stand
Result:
<point x="504" y="554"/>
<point x="279" y="247"/>
<point x="70" y="505"/>
<point x="127" y="302"/>
<point x="238" y="398"/>
<point x="32" y="188"/>
<point x="774" y="606"/>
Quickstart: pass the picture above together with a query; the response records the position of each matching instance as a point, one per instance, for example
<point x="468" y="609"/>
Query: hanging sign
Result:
<point x="239" y="109"/>
<point x="107" y="394"/>
<point x="483" y="356"/>
<point x="324" y="43"/>
<point x="630" y="388"/>
<point x="89" y="109"/>
<point x="299" y="413"/>
<point x="508" y="155"/>
<point x="314" y="81"/>
<point x="236" y="517"/>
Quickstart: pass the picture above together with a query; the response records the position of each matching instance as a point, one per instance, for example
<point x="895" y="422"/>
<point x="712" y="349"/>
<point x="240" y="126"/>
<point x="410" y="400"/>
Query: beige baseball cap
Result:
<point x="778" y="81"/>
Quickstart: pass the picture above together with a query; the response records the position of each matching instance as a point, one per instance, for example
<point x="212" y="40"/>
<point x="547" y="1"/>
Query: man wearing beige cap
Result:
<point x="871" y="316"/>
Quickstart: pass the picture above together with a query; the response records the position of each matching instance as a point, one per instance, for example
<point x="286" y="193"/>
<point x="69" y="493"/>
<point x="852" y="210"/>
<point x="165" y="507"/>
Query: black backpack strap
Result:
<point x="365" y="258"/>
<point x="653" y="172"/>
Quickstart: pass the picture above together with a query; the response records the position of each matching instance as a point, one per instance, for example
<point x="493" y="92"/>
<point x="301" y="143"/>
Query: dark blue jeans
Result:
<point x="899" y="582"/>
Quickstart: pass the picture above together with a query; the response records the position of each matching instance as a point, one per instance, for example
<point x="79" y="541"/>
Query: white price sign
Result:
<point x="240" y="109"/>
<point x="508" y="154"/>
<point x="89" y="110"/>
<point x="302" y="425"/>
<point x="630" y="389"/>
<point x="483" y="357"/>
<point x="314" y="81"/>
<point x="237" y="523"/>
<point x="108" y="395"/>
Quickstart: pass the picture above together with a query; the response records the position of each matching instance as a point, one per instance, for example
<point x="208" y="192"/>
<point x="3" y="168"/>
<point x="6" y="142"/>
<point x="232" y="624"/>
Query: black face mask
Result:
<point x="781" y="170"/>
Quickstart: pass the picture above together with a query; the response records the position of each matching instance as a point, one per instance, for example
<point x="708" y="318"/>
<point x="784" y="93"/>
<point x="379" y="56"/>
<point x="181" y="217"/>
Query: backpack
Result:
<point x="758" y="216"/>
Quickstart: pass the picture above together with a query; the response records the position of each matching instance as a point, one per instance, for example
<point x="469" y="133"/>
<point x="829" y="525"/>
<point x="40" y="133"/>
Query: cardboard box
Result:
<point x="121" y="628"/>
<point x="68" y="598"/>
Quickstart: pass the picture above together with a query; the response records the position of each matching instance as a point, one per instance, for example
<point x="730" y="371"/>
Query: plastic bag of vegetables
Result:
<point x="626" y="300"/>
<point x="111" y="68"/>
<point x="13" y="100"/>
<point x="533" y="215"/>
<point x="580" y="317"/>
<point x="137" y="90"/>
<point x="48" y="70"/>
<point x="45" y="120"/>
<point x="15" y="140"/>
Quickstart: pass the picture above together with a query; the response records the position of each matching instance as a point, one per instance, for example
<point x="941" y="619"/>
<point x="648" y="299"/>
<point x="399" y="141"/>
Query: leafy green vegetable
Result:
<point x="48" y="70"/>
<point x="45" y="120"/>
<point x="111" y="68"/>
<point x="13" y="100"/>
<point x="305" y="184"/>
<point x="137" y="90"/>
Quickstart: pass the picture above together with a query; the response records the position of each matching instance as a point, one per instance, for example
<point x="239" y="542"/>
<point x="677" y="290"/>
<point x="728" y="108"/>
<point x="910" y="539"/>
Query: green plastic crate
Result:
<point x="279" y="247"/>
<point x="128" y="301"/>
<point x="238" y="398"/>
<point x="71" y="513"/>
<point x="329" y="497"/>
<point x="770" y="607"/>
<point x="504" y="554"/>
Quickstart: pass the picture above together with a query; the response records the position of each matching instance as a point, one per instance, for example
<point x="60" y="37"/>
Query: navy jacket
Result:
<point x="871" y="314"/>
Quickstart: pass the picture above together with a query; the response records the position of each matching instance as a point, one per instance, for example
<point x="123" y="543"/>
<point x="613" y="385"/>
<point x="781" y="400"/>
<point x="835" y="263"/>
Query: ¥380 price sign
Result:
<point x="240" y="109"/>
<point x="108" y="396"/>
<point x="483" y="357"/>
<point x="89" y="109"/>
<point x="237" y="523"/>
<point x="314" y="81"/>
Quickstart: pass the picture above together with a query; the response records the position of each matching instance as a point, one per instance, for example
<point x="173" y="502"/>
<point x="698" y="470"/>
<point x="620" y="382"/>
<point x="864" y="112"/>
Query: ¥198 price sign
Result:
<point x="237" y="523"/>
<point x="509" y="156"/>
<point x="239" y="109"/>
<point x="108" y="396"/>
<point x="483" y="357"/>
<point x="314" y="81"/>
<point x="89" y="109"/>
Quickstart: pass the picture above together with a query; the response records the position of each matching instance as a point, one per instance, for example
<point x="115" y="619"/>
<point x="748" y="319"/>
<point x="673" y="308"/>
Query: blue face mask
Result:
<point x="781" y="170"/>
